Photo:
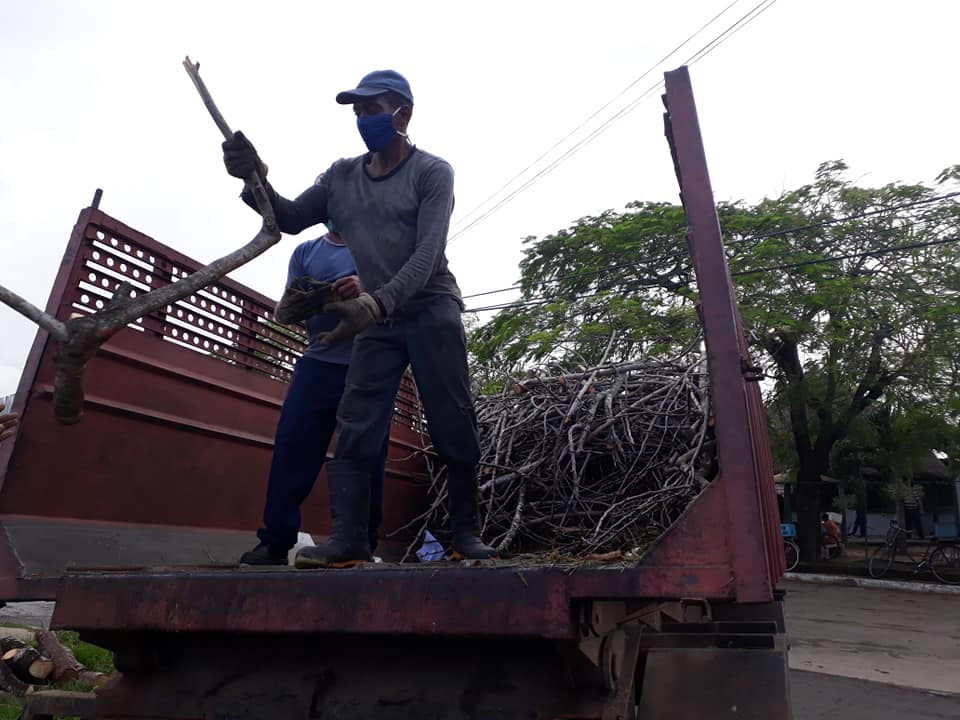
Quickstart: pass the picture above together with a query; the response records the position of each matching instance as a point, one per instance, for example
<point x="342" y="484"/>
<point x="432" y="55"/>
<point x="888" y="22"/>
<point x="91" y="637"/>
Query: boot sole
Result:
<point x="308" y="564"/>
<point x="460" y="557"/>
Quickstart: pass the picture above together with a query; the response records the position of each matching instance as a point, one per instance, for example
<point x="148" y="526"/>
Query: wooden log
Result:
<point x="28" y="664"/>
<point x="11" y="683"/>
<point x="11" y="643"/>
<point x="66" y="667"/>
<point x="93" y="679"/>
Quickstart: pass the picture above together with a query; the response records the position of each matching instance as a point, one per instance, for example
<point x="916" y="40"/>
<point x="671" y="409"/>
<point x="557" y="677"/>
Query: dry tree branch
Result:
<point x="32" y="312"/>
<point x="81" y="337"/>
<point x="588" y="462"/>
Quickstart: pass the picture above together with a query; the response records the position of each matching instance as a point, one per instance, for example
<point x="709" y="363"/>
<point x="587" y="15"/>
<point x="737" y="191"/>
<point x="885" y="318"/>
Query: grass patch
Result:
<point x="10" y="707"/>
<point x="90" y="656"/>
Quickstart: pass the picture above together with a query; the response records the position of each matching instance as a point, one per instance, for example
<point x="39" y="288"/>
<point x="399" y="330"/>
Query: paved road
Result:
<point x="822" y="697"/>
<point x="899" y="638"/>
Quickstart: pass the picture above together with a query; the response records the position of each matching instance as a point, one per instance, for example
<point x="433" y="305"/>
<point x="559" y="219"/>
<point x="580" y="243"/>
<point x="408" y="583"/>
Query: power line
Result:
<point x="599" y="110"/>
<point x="733" y="30"/>
<point x="633" y="105"/>
<point x="741" y="273"/>
<point x="733" y="242"/>
<point x="535" y="302"/>
<point x="847" y="256"/>
<point x="848" y="218"/>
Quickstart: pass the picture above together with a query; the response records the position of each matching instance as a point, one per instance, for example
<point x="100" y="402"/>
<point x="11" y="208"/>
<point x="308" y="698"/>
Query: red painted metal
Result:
<point x="179" y="419"/>
<point x="746" y="471"/>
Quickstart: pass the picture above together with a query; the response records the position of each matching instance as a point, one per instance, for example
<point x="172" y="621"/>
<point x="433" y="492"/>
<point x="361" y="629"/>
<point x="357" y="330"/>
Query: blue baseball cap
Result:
<point x="377" y="83"/>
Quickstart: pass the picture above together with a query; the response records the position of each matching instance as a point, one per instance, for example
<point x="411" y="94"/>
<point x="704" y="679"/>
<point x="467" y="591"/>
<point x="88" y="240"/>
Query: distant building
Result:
<point x="939" y="503"/>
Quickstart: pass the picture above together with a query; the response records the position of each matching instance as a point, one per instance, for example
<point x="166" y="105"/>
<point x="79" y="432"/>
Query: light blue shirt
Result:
<point x="324" y="261"/>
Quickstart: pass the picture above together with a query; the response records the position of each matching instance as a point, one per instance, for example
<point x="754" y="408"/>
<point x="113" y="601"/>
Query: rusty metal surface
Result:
<point x="441" y="599"/>
<point x="716" y="683"/>
<point x="219" y="677"/>
<point x="51" y="704"/>
<point x="745" y="468"/>
<point x="180" y="413"/>
<point x="426" y="601"/>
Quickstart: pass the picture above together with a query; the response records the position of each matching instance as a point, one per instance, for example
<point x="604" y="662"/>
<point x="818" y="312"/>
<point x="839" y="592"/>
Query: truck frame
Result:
<point x="132" y="522"/>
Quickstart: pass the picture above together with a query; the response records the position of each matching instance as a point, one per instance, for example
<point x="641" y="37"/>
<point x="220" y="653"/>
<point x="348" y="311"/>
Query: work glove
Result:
<point x="240" y="157"/>
<point x="304" y="298"/>
<point x="355" y="316"/>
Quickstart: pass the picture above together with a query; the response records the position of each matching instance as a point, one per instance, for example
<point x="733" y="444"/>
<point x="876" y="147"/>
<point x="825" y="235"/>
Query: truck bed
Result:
<point x="168" y="469"/>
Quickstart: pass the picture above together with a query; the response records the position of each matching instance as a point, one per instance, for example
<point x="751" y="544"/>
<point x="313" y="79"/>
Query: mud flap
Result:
<point x="716" y="684"/>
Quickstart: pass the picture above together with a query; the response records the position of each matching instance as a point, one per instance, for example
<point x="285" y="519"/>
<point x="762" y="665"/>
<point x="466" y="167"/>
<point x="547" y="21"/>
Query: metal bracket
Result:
<point x="704" y="613"/>
<point x="620" y="658"/>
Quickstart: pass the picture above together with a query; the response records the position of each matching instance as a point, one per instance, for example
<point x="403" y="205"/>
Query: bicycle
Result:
<point x="941" y="557"/>
<point x="791" y="551"/>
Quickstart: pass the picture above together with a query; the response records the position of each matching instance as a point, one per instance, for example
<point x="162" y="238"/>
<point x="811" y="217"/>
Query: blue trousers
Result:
<point x="432" y="342"/>
<point x="307" y="423"/>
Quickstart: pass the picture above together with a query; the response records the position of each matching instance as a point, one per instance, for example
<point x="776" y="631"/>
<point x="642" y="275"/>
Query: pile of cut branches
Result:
<point x="588" y="462"/>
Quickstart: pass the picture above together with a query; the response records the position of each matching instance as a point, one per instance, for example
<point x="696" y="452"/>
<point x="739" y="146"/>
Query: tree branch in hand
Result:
<point x="81" y="337"/>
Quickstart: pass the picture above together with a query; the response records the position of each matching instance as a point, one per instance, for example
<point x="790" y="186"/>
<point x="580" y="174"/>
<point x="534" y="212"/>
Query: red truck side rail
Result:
<point x="168" y="467"/>
<point x="169" y="463"/>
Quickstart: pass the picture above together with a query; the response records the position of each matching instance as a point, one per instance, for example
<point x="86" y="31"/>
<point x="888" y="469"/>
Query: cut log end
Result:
<point x="28" y="664"/>
<point x="41" y="669"/>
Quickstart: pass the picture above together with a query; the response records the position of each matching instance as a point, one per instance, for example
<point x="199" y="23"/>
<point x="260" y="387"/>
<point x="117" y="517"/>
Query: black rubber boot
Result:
<point x="350" y="515"/>
<point x="464" y="523"/>
<point x="264" y="555"/>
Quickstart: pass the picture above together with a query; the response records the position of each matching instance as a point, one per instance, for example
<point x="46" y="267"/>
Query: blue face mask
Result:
<point x="377" y="130"/>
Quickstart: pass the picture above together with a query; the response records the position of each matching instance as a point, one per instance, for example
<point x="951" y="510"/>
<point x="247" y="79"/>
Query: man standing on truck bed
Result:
<point x="320" y="271"/>
<point x="392" y="206"/>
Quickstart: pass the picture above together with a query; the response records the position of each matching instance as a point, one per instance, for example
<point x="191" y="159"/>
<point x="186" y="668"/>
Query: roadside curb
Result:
<point x="850" y="580"/>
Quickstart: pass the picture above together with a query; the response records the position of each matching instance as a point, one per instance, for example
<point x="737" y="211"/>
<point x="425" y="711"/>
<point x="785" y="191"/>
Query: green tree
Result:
<point x="839" y="321"/>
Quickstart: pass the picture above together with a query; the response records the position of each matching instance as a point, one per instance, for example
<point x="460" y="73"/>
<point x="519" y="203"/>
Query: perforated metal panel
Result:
<point x="178" y="424"/>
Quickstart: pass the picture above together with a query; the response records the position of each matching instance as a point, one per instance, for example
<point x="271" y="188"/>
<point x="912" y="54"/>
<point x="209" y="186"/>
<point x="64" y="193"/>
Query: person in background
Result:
<point x="831" y="535"/>
<point x="859" y="523"/>
<point x="320" y="271"/>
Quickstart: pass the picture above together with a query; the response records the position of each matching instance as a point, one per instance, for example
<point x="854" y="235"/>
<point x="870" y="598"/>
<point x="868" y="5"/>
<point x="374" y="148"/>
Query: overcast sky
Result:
<point x="94" y="96"/>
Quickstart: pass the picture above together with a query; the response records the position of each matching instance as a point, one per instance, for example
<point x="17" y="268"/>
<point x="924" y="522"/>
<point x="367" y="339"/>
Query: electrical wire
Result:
<point x="599" y="110"/>
<point x="752" y="271"/>
<point x="732" y="243"/>
<point x="633" y="105"/>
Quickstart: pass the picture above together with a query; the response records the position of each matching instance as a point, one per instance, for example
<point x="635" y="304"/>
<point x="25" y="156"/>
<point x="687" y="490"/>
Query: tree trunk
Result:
<point x="808" y="513"/>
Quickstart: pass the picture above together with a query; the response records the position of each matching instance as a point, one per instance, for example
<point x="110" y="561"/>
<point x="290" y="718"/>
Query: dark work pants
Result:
<point x="307" y="423"/>
<point x="433" y="343"/>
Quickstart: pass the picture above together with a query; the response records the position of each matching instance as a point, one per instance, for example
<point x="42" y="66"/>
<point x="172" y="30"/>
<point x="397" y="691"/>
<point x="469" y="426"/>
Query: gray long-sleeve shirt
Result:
<point x="395" y="226"/>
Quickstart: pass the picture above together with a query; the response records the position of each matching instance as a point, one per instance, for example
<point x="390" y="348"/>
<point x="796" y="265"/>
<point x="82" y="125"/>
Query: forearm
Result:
<point x="293" y="216"/>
